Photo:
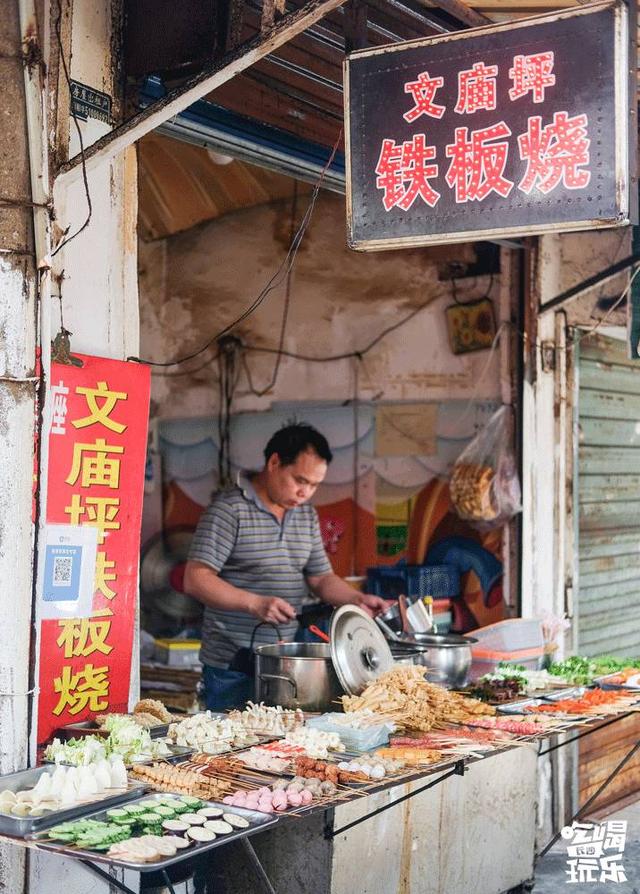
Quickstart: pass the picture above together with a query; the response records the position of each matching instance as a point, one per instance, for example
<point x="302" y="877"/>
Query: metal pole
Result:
<point x="458" y="770"/>
<point x="36" y="98"/>
<point x="609" y="778"/>
<point x="108" y="878"/>
<point x="257" y="865"/>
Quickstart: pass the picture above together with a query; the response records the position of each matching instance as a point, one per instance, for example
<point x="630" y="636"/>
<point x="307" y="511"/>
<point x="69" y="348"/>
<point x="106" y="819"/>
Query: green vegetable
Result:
<point x="582" y="671"/>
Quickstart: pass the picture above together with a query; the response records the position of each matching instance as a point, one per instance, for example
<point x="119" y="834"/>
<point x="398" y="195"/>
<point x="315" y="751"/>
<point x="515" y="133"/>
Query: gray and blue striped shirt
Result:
<point x="240" y="539"/>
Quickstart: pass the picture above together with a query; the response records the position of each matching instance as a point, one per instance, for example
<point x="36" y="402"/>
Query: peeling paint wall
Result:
<point x="99" y="296"/>
<point x="195" y="283"/>
<point x="17" y="421"/>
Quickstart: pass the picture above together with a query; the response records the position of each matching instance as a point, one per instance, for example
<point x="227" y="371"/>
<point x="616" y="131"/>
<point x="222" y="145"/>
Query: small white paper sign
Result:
<point x="68" y="571"/>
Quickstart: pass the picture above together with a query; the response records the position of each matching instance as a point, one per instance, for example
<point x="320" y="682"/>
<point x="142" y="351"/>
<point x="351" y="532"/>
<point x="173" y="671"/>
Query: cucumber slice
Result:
<point x="191" y="801"/>
<point x="134" y="809"/>
<point x="117" y="813"/>
<point x="164" y="811"/>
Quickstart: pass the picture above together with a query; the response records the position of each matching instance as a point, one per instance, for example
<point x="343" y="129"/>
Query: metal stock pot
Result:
<point x="446" y="657"/>
<point x="297" y="675"/>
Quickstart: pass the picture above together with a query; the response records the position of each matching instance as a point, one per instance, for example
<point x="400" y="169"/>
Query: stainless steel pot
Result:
<point x="297" y="675"/>
<point x="446" y="657"/>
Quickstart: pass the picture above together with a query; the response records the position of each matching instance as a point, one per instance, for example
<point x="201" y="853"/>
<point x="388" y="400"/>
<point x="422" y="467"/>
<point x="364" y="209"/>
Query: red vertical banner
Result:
<point x="97" y="455"/>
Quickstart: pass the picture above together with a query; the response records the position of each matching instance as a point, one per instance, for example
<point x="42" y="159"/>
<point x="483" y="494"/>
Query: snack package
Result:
<point x="484" y="484"/>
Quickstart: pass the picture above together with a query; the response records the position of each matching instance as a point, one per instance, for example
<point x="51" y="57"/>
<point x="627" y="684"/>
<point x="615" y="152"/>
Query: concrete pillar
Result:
<point x="18" y="388"/>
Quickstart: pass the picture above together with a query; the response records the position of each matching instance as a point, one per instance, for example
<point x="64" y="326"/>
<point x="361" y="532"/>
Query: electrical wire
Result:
<point x="611" y="310"/>
<point x="285" y="314"/>
<point x="276" y="280"/>
<point x="85" y="178"/>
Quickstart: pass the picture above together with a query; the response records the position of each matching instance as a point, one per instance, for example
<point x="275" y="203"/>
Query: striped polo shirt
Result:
<point x="245" y="543"/>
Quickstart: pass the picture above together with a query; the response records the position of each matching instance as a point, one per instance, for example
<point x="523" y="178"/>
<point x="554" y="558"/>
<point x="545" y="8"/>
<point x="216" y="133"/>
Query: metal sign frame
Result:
<point x="625" y="137"/>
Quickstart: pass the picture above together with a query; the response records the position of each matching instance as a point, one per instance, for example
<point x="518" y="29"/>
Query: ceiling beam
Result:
<point x="459" y="10"/>
<point x="197" y="87"/>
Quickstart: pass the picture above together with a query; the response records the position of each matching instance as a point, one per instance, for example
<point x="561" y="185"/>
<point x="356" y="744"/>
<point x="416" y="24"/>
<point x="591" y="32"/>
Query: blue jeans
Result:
<point x="224" y="688"/>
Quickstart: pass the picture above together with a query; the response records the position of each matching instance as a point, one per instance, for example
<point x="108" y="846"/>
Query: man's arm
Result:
<point x="204" y="584"/>
<point x="332" y="589"/>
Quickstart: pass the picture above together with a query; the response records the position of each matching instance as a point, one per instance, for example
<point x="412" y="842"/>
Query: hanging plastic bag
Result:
<point x="484" y="484"/>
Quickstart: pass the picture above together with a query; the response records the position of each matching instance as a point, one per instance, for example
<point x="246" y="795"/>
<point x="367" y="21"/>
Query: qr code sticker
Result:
<point x="62" y="569"/>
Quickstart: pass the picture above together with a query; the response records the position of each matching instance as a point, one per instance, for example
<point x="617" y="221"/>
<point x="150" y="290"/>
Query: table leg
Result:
<point x="108" y="878"/>
<point x="257" y="865"/>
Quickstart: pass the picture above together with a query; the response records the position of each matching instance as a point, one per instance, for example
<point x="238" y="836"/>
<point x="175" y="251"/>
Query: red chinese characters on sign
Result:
<point x="404" y="174"/>
<point x="477" y="89"/>
<point x="423" y="91"/>
<point x="97" y="453"/>
<point x="532" y="74"/>
<point x="477" y="164"/>
<point x="555" y="154"/>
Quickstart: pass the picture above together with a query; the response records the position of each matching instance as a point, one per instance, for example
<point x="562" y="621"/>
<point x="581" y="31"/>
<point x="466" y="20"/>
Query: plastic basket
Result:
<point x="415" y="581"/>
<point x="439" y="581"/>
<point x="353" y="739"/>
<point x="386" y="581"/>
<point x="485" y="661"/>
<point x="511" y="635"/>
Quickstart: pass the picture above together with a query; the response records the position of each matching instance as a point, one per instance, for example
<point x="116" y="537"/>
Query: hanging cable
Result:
<point x="285" y="312"/>
<point x="229" y="372"/>
<point x="276" y="280"/>
<point x="85" y="178"/>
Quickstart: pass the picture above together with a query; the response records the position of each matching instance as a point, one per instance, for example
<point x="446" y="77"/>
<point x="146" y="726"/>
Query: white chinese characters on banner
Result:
<point x="59" y="393"/>
<point x="595" y="851"/>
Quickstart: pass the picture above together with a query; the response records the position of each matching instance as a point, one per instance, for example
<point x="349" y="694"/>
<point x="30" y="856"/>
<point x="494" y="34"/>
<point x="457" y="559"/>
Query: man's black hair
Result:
<point x="292" y="440"/>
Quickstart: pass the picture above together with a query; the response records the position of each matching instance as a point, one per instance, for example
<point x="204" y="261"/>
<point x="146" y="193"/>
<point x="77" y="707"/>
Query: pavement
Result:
<point x="554" y="874"/>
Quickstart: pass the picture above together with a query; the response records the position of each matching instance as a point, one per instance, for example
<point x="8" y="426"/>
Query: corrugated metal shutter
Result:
<point x="608" y="468"/>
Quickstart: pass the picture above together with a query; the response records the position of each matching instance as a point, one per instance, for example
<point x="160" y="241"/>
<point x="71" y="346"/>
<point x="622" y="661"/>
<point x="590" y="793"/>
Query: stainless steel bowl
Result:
<point x="447" y="657"/>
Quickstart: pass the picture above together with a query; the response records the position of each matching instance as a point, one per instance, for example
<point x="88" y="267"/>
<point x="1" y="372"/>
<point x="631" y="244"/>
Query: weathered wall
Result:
<point x="17" y="419"/>
<point x="547" y="560"/>
<point x="193" y="284"/>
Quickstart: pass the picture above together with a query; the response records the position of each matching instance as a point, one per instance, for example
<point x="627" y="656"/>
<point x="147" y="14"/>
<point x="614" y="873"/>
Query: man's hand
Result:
<point x="272" y="609"/>
<point x="374" y="605"/>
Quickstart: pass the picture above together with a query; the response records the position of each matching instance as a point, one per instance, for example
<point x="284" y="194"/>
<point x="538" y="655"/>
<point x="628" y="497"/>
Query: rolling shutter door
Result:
<point x="608" y="469"/>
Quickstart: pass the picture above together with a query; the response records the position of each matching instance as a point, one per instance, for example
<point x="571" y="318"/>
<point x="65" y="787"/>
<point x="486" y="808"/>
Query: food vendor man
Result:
<point x="255" y="555"/>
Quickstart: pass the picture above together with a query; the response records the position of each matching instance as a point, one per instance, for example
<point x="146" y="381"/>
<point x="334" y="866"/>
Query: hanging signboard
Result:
<point x="88" y="578"/>
<point x="516" y="129"/>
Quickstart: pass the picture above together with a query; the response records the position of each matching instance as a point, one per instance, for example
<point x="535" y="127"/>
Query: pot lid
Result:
<point x="359" y="651"/>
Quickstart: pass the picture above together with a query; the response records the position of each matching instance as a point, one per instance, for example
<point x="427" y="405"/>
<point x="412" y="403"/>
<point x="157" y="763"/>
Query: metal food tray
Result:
<point x="259" y="821"/>
<point x="607" y="684"/>
<point x="518" y="707"/>
<point x="91" y="728"/>
<point x="559" y="695"/>
<point x="21" y="826"/>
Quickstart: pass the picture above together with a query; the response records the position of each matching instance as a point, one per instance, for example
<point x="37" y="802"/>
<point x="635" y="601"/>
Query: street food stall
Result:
<point x="342" y="797"/>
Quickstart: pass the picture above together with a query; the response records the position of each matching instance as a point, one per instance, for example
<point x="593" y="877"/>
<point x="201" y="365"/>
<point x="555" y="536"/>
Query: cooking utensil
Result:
<point x="359" y="650"/>
<point x="319" y="633"/>
<point x="418" y="617"/>
<point x="404" y="618"/>
<point x="446" y="657"/>
<point x="389" y="620"/>
<point x="297" y="675"/>
<point x="388" y="632"/>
